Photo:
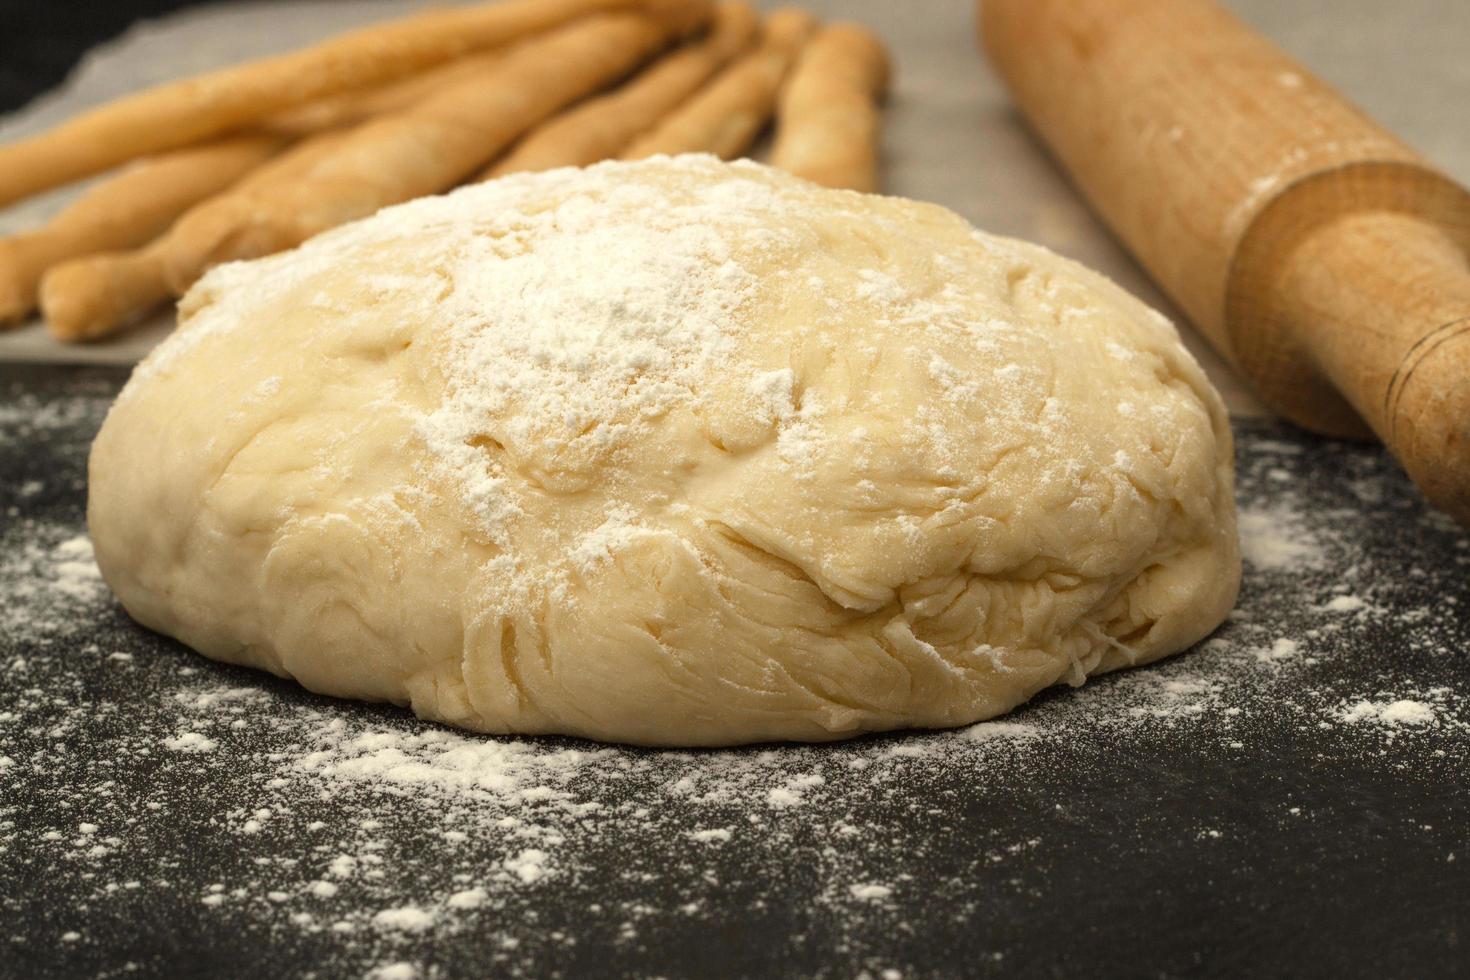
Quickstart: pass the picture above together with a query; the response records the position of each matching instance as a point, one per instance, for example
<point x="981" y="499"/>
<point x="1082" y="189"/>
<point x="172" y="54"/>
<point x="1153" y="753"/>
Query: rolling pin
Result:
<point x="1324" y="258"/>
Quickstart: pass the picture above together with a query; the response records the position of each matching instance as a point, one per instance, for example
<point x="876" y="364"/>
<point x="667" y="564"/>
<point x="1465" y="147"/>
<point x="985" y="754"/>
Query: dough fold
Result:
<point x="674" y="452"/>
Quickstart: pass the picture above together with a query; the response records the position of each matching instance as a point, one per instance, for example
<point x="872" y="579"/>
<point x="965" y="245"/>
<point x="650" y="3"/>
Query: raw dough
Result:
<point x="674" y="452"/>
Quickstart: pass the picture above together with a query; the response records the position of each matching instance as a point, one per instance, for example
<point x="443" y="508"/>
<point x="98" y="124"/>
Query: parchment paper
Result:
<point x="951" y="135"/>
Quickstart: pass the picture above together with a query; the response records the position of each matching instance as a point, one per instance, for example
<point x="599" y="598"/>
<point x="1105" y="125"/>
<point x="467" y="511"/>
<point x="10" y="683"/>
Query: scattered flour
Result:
<point x="378" y="836"/>
<point x="1276" y="538"/>
<point x="793" y="791"/>
<point x="470" y="898"/>
<point x="394" y="971"/>
<point x="192" y="742"/>
<point x="988" y="730"/>
<point x="530" y="866"/>
<point x="707" y="836"/>
<point x="405" y="919"/>
<point x="1404" y="711"/>
<point x="1282" y="649"/>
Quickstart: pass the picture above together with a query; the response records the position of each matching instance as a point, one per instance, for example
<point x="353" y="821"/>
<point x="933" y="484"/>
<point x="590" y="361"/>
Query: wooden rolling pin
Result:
<point x="1322" y="256"/>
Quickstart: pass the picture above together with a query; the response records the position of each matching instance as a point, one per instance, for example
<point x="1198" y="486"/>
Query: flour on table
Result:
<point x="1402" y="712"/>
<point x="379" y="837"/>
<point x="1275" y="537"/>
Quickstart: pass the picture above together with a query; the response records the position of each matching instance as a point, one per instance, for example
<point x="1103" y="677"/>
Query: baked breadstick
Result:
<point x="601" y="127"/>
<point x="351" y="108"/>
<point x="127" y="210"/>
<point x="140" y="203"/>
<point x="827" y="122"/>
<point x="425" y="149"/>
<point x="727" y="115"/>
<point x="90" y="297"/>
<point x="188" y="111"/>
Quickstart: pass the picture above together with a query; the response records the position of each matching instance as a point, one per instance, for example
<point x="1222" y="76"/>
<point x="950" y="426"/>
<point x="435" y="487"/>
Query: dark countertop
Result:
<point x="1291" y="799"/>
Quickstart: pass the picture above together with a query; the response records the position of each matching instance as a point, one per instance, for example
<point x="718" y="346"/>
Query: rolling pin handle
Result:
<point x="1317" y="252"/>
<point x="1379" y="302"/>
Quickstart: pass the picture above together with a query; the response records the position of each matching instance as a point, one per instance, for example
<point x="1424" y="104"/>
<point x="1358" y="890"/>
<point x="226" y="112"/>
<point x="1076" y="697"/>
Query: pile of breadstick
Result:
<point x="257" y="158"/>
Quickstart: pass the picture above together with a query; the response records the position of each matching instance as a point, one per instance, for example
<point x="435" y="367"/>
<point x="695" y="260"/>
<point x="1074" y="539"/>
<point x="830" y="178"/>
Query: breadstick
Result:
<point x="427" y="148"/>
<point x="601" y="127"/>
<point x="827" y="122"/>
<point x="188" y="111"/>
<point x="727" y="115"/>
<point x="124" y="211"/>
<point x="144" y="200"/>
<point x="351" y="108"/>
<point x="90" y="297"/>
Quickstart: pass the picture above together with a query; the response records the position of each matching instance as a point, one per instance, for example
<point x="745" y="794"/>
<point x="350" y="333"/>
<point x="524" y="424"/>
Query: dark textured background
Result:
<point x="40" y="40"/>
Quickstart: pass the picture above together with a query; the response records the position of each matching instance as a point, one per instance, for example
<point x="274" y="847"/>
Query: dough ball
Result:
<point x="675" y="452"/>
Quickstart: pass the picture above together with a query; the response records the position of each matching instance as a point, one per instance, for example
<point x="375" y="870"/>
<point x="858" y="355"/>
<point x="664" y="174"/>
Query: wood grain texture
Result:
<point x="1320" y="254"/>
